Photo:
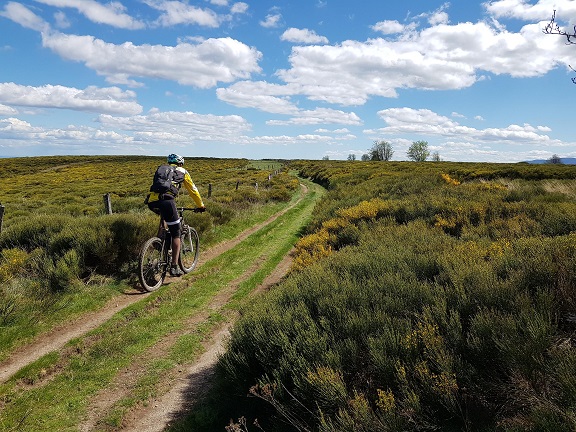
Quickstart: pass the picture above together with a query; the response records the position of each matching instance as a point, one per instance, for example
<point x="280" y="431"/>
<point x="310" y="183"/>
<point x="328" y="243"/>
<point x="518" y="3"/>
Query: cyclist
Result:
<point x="163" y="203"/>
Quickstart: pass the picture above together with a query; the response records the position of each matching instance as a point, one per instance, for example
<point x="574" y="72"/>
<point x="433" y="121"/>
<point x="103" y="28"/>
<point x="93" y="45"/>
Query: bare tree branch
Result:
<point x="553" y="28"/>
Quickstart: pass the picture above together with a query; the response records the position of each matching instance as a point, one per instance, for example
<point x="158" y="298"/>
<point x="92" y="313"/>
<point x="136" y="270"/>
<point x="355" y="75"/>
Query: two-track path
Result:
<point x="179" y="390"/>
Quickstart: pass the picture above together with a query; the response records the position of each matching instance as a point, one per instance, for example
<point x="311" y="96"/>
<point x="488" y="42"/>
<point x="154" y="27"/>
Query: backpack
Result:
<point x="165" y="178"/>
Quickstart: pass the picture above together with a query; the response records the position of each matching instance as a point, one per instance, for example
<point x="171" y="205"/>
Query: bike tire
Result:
<point x="189" y="249"/>
<point x="152" y="264"/>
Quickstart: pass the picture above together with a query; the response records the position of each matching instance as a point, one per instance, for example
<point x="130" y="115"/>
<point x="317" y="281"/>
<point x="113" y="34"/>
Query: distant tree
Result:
<point x="365" y="157"/>
<point x="381" y="151"/>
<point x="326" y="158"/>
<point x="436" y="157"/>
<point x="418" y="151"/>
<point x="553" y="28"/>
<point x="555" y="159"/>
<point x="351" y="157"/>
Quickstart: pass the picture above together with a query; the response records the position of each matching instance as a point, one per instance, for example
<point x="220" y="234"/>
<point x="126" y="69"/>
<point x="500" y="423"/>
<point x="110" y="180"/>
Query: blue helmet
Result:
<point x="175" y="159"/>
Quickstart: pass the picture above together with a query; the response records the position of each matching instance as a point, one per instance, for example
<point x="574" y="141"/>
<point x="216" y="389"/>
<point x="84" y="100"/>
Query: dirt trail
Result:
<point x="182" y="387"/>
<point x="59" y="336"/>
<point x="186" y="391"/>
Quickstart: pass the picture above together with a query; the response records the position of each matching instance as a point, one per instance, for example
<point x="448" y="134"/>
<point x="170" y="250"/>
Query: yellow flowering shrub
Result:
<point x="324" y="375"/>
<point x="328" y="384"/>
<point x="449" y="180"/>
<point x="444" y="383"/>
<point x="11" y="263"/>
<point x="359" y="406"/>
<point x="386" y="401"/>
<point x="321" y="244"/>
<point x="497" y="249"/>
<point x="335" y="224"/>
<point x="447" y="223"/>
<point x="311" y="248"/>
<point x="426" y="335"/>
<point x="454" y="219"/>
<point x="364" y="210"/>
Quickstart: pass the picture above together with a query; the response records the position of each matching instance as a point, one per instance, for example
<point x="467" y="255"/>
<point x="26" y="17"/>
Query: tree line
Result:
<point x="417" y="152"/>
<point x="383" y="151"/>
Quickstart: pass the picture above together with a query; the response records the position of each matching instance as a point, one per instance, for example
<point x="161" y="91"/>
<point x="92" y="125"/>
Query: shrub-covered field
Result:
<point x="433" y="296"/>
<point x="59" y="248"/>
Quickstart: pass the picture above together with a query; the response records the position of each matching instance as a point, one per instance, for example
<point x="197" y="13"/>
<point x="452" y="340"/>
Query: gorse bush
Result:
<point x="103" y="243"/>
<point x="420" y="301"/>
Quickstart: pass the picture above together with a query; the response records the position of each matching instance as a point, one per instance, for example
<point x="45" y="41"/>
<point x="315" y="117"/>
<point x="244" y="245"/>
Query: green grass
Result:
<point x="264" y="164"/>
<point x="40" y="312"/>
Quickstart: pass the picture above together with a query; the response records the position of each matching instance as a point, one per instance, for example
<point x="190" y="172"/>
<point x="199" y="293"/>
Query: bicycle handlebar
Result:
<point x="195" y="210"/>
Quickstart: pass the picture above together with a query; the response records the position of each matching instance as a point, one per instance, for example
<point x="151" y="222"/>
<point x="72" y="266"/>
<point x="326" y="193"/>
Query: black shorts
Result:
<point x="166" y="207"/>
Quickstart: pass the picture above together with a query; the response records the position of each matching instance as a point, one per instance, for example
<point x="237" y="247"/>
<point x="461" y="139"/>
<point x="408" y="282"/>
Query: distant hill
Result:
<point x="565" y="161"/>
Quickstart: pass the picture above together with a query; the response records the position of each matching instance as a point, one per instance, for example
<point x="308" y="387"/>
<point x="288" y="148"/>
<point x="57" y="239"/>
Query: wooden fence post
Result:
<point x="209" y="190"/>
<point x="107" y="204"/>
<point x="1" y="216"/>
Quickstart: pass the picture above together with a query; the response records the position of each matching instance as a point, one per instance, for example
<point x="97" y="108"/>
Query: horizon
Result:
<point x="299" y="80"/>
<point x="564" y="161"/>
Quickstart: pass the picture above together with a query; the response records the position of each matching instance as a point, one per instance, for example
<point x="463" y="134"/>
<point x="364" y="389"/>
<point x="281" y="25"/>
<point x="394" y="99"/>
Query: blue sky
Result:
<point x="302" y="79"/>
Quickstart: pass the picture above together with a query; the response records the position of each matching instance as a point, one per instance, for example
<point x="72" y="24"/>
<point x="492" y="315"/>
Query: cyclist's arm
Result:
<point x="192" y="190"/>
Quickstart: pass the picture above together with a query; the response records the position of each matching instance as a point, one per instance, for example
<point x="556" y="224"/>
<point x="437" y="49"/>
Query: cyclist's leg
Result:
<point x="172" y="219"/>
<point x="155" y="206"/>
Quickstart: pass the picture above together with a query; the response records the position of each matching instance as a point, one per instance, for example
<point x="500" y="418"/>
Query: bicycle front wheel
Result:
<point x="189" y="249"/>
<point x="152" y="265"/>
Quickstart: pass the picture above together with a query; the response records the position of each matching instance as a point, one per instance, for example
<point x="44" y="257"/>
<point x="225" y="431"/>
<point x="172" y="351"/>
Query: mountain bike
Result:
<point x="156" y="254"/>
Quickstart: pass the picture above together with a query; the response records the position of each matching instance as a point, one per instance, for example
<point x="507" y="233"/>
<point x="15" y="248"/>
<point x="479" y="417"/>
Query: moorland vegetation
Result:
<point x="61" y="253"/>
<point x="424" y="296"/>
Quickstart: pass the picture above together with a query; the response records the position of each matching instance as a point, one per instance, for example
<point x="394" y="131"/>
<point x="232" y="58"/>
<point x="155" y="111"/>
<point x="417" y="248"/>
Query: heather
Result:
<point x="424" y="296"/>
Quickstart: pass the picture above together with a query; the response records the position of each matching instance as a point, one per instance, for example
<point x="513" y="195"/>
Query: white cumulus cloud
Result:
<point x="25" y="17"/>
<point x="441" y="57"/>
<point x="319" y="116"/>
<point x="113" y="13"/>
<point x="530" y="11"/>
<point x="272" y="98"/>
<point x="271" y="20"/>
<point x="428" y="123"/>
<point x="201" y="65"/>
<point x="183" y="127"/>
<point x="388" y="27"/>
<point x="7" y="110"/>
<point x="239" y="8"/>
<point x="303" y="36"/>
<point x="92" y="99"/>
<point x="176" y="12"/>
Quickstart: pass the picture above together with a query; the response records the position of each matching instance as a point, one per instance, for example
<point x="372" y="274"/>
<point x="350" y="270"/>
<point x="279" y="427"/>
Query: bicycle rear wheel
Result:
<point x="189" y="249"/>
<point x="152" y="265"/>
